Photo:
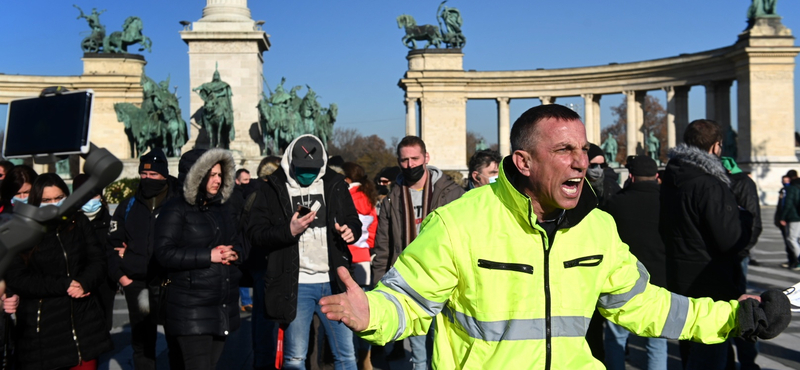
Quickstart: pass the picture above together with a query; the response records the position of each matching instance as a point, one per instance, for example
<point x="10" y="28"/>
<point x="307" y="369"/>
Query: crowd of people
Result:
<point x="491" y="264"/>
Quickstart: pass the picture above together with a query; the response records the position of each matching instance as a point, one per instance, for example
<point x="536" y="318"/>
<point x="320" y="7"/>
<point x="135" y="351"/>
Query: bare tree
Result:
<point x="655" y="120"/>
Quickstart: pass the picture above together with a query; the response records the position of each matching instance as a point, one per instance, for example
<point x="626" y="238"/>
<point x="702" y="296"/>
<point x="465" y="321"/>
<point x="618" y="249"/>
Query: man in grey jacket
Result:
<point x="420" y="189"/>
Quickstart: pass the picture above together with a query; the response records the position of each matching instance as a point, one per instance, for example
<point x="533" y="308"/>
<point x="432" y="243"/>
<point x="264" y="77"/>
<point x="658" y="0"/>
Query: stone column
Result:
<point x="411" y="116"/>
<point x="765" y="64"/>
<point x="635" y="118"/>
<point x="591" y="117"/>
<point x="681" y="112"/>
<point x="503" y="126"/>
<point x="443" y="111"/>
<point x="547" y="100"/>
<point x="670" y="116"/>
<point x="226" y="36"/>
<point x="711" y="101"/>
<point x="596" y="111"/>
<point x="718" y="102"/>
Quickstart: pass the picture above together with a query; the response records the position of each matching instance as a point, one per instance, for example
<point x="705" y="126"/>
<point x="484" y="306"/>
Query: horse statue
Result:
<point x="118" y="42"/>
<point x="267" y="125"/>
<point x="138" y="127"/>
<point x="414" y="33"/>
<point x="217" y="115"/>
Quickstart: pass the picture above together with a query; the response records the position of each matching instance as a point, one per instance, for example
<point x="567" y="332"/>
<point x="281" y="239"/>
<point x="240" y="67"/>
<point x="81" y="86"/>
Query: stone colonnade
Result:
<point x="762" y="62"/>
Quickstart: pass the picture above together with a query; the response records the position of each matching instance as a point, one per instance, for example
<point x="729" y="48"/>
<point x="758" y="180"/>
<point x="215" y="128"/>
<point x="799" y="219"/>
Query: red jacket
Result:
<point x="369" y="225"/>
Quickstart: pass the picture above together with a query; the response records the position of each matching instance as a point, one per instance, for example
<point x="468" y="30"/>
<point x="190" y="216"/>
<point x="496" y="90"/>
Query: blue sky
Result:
<point x="350" y="52"/>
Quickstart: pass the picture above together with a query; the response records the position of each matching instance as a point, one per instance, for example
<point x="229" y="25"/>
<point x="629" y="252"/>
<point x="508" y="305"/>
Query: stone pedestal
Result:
<point x="443" y="112"/>
<point x="115" y="78"/>
<point x="765" y="62"/>
<point x="226" y="38"/>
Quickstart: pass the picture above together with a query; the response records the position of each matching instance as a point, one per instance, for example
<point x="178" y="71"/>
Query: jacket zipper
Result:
<point x="587" y="261"/>
<point x="226" y="282"/>
<point x="547" y="303"/>
<point x="39" y="316"/>
<point x="71" y="303"/>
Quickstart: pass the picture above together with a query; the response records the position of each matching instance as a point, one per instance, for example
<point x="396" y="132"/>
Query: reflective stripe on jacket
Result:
<point x="504" y="298"/>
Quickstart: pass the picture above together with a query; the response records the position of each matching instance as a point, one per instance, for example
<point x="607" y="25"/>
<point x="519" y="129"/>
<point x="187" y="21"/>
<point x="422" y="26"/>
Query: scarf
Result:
<point x="409" y="223"/>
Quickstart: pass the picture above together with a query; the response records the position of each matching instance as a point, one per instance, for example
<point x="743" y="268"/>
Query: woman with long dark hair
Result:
<point x="59" y="321"/>
<point x="197" y="241"/>
<point x="364" y="197"/>
<point x="16" y="187"/>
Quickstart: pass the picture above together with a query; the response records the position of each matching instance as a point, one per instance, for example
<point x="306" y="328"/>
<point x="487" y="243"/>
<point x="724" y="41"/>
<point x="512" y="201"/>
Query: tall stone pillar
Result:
<point x="503" y="126"/>
<point x="765" y="63"/>
<point x="227" y="37"/>
<point x="635" y="118"/>
<point x="443" y="111"/>
<point x="681" y="112"/>
<point x="670" y="116"/>
<point x="718" y="102"/>
<point x="591" y="117"/>
<point x="411" y="117"/>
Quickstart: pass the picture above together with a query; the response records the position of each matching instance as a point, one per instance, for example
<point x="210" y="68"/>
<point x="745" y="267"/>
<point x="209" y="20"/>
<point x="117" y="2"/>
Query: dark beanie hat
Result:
<point x="641" y="165"/>
<point x="187" y="161"/>
<point x="156" y="161"/>
<point x="594" y="151"/>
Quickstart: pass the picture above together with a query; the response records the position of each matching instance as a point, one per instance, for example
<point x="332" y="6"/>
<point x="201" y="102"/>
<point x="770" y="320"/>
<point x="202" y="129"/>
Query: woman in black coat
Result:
<point x="96" y="210"/>
<point x="59" y="321"/>
<point x="197" y="241"/>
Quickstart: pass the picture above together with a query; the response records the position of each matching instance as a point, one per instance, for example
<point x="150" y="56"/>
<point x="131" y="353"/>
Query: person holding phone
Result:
<point x="304" y="217"/>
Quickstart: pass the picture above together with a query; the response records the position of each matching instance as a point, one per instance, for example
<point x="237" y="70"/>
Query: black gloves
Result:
<point x="766" y="319"/>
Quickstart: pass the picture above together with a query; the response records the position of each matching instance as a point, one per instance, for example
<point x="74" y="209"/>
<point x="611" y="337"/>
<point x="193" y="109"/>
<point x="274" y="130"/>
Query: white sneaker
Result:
<point x="793" y="293"/>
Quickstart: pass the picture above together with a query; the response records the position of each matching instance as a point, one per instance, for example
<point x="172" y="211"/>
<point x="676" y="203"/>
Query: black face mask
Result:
<point x="151" y="187"/>
<point x="412" y="174"/>
<point x="382" y="189"/>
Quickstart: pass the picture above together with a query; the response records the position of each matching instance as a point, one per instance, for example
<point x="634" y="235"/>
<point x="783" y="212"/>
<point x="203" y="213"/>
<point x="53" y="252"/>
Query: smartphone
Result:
<point x="303" y="210"/>
<point x="52" y="124"/>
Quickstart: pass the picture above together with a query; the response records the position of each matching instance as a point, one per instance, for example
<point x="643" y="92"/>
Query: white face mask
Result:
<point x="493" y="179"/>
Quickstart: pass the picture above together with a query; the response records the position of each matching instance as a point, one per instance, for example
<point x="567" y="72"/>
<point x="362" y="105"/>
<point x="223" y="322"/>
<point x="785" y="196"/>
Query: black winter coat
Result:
<point x="701" y="226"/>
<point x="47" y="316"/>
<point x="746" y="193"/>
<point x="136" y="228"/>
<point x="635" y="210"/>
<point x="269" y="229"/>
<point x="202" y="297"/>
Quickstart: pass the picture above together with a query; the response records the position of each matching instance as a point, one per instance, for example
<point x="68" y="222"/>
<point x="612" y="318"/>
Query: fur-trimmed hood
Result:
<point x="201" y="167"/>
<point x="706" y="162"/>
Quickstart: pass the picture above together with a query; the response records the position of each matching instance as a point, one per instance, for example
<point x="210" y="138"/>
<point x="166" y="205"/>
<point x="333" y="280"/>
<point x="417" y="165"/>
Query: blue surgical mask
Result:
<point x="305" y="176"/>
<point x="60" y="202"/>
<point x="492" y="179"/>
<point x="16" y="200"/>
<point x="92" y="205"/>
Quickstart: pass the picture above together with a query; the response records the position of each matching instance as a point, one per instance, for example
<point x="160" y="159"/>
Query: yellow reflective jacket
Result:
<point x="506" y="297"/>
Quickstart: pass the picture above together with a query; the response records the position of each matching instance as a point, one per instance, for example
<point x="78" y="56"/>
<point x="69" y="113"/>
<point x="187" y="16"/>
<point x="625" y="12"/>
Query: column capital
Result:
<point x="668" y="89"/>
<point x="411" y="100"/>
<point x="503" y="99"/>
<point x="587" y="96"/>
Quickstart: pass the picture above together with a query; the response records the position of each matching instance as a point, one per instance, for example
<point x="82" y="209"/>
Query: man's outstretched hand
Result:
<point x="351" y="307"/>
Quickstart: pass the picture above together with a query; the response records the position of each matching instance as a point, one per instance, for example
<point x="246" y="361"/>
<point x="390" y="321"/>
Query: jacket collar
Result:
<point x="520" y="204"/>
<point x="687" y="162"/>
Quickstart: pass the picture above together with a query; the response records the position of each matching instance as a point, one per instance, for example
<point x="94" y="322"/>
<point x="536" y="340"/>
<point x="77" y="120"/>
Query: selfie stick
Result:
<point x="25" y="227"/>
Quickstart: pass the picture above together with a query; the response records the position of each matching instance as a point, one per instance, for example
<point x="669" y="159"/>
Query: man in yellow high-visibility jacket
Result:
<point x="514" y="270"/>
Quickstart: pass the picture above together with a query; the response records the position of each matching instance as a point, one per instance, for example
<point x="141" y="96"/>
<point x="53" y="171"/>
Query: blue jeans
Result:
<point x="339" y="336"/>
<point x="244" y="293"/>
<point x="615" y="339"/>
<point x="264" y="332"/>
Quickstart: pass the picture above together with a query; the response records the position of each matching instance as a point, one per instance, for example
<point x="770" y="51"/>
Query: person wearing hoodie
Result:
<point x="304" y="217"/>
<point x="197" y="241"/>
<point x="420" y="189"/>
<point x="703" y="229"/>
<point x="602" y="178"/>
<point x="130" y="249"/>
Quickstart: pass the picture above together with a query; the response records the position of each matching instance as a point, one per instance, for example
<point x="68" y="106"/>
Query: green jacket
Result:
<point x="791" y="204"/>
<point x="506" y="297"/>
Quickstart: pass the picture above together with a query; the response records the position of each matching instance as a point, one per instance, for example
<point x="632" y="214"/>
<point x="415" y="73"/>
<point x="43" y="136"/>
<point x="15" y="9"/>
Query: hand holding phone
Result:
<point x="300" y="222"/>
